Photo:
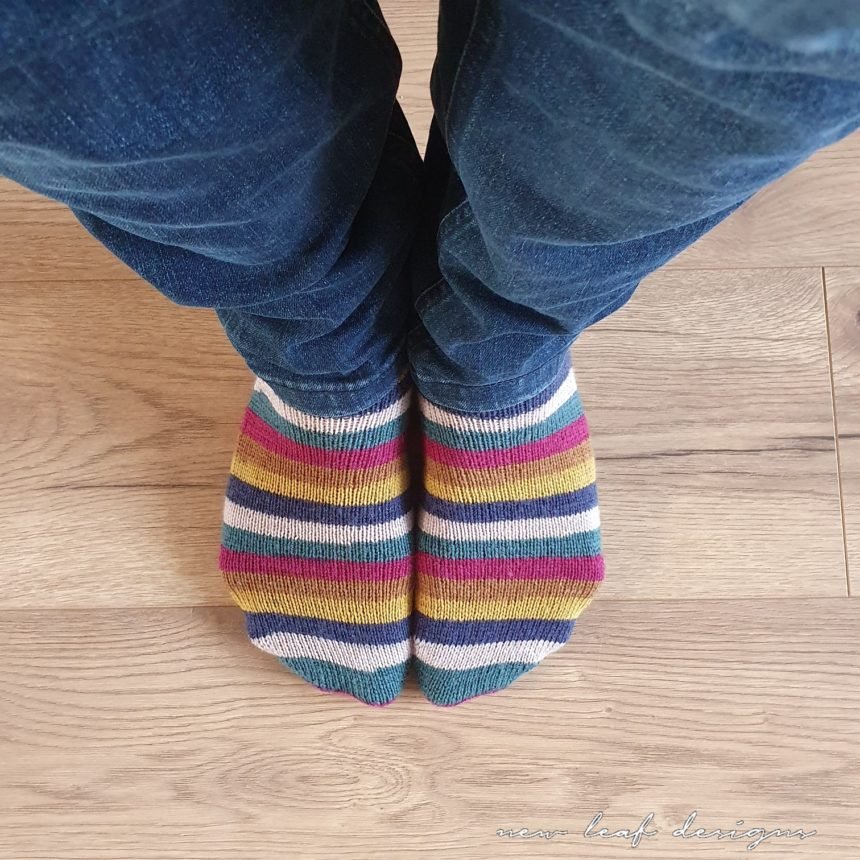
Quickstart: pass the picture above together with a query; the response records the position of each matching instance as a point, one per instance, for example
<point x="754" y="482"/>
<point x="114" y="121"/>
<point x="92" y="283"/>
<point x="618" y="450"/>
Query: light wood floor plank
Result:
<point x="843" y="302"/>
<point x="109" y="384"/>
<point x="138" y="724"/>
<point x="119" y="437"/>
<point x="413" y="26"/>
<point x="118" y="414"/>
<point x="48" y="242"/>
<point x="112" y="546"/>
<point x="161" y="734"/>
<point x="708" y="398"/>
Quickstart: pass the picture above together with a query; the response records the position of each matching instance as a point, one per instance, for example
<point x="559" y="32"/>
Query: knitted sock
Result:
<point x="508" y="541"/>
<point x="317" y="542"/>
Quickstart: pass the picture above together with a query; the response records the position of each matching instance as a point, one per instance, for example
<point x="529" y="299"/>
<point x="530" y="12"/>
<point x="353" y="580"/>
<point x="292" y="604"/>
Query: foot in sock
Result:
<point x="508" y="541"/>
<point x="317" y="542"/>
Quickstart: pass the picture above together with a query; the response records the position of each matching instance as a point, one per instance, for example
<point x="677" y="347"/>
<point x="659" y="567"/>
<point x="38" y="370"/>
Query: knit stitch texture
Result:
<point x="509" y="540"/>
<point x="316" y="545"/>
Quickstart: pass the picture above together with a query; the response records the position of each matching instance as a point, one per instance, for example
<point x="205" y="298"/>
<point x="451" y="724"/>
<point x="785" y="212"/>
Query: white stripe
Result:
<point x="302" y="530"/>
<point x="366" y="658"/>
<point x="348" y="424"/>
<point x="486" y="654"/>
<point x="502" y="530"/>
<point x="474" y="424"/>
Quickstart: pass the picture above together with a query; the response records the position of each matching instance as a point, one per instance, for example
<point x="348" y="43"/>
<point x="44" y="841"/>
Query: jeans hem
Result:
<point x="338" y="401"/>
<point x="493" y="395"/>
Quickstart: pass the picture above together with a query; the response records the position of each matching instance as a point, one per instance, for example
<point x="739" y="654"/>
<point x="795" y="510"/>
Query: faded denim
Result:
<point x="250" y="157"/>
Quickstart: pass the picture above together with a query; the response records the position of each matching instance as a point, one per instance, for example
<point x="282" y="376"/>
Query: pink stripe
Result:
<point x="334" y="571"/>
<point x="562" y="440"/>
<point x="355" y="458"/>
<point x="588" y="569"/>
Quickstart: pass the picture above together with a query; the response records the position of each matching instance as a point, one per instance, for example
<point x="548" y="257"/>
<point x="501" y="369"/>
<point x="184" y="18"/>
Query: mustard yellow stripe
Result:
<point x="360" y="494"/>
<point x="503" y="472"/>
<point x="291" y="588"/>
<point x="251" y="453"/>
<point x="501" y="589"/>
<point x="326" y="608"/>
<point x="540" y="608"/>
<point x="529" y="487"/>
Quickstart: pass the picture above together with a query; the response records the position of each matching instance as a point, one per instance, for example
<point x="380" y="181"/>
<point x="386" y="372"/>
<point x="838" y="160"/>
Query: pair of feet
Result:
<point x="322" y="551"/>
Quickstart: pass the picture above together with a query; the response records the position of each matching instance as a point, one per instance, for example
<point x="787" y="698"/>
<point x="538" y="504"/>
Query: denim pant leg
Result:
<point x="247" y="157"/>
<point x="579" y="145"/>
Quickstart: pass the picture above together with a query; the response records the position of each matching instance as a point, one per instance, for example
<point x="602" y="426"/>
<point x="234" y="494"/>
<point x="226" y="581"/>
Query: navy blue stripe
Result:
<point x="317" y="512"/>
<point x="488" y="512"/>
<point x="265" y="623"/>
<point x="475" y="632"/>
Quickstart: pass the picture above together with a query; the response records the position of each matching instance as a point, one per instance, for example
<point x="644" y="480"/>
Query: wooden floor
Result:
<point x="719" y="670"/>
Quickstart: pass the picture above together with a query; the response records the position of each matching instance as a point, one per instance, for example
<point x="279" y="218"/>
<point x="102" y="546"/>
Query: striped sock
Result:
<point x="316" y="545"/>
<point x="508" y="541"/>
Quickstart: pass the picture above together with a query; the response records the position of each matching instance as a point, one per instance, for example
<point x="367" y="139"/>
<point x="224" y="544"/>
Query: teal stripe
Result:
<point x="245" y="541"/>
<point x="374" y="688"/>
<point x="330" y="441"/>
<point x="452" y="686"/>
<point x="580" y="545"/>
<point x="465" y="440"/>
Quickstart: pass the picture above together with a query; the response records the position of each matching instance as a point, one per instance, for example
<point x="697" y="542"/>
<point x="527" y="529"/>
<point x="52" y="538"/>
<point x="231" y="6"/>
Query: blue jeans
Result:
<point x="250" y="156"/>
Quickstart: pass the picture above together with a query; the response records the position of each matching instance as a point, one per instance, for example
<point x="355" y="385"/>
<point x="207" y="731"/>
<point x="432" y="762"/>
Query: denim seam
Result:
<point x="458" y="223"/>
<point x="455" y="84"/>
<point x="456" y="214"/>
<point x="423" y="302"/>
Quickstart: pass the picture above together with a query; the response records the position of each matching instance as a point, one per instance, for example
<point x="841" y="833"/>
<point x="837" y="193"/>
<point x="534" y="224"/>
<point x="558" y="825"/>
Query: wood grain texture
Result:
<point x="112" y="546"/>
<point x="109" y="384"/>
<point x="118" y="416"/>
<point x="413" y="25"/>
<point x="112" y="472"/>
<point x="843" y="303"/>
<point x="162" y="735"/>
<point x="709" y="402"/>
<point x="48" y="242"/>
<point x="137" y="723"/>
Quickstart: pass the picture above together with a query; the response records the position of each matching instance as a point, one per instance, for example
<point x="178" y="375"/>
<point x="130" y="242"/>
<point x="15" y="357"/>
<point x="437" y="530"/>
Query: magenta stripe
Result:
<point x="359" y="458"/>
<point x="562" y="440"/>
<point x="588" y="569"/>
<point x="334" y="571"/>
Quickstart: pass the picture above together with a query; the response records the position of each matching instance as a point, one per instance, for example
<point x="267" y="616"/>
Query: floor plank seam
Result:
<point x="835" y="410"/>
<point x="626" y="601"/>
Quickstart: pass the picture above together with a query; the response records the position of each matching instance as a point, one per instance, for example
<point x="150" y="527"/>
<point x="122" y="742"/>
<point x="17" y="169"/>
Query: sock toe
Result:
<point x="448" y="687"/>
<point x="379" y="687"/>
